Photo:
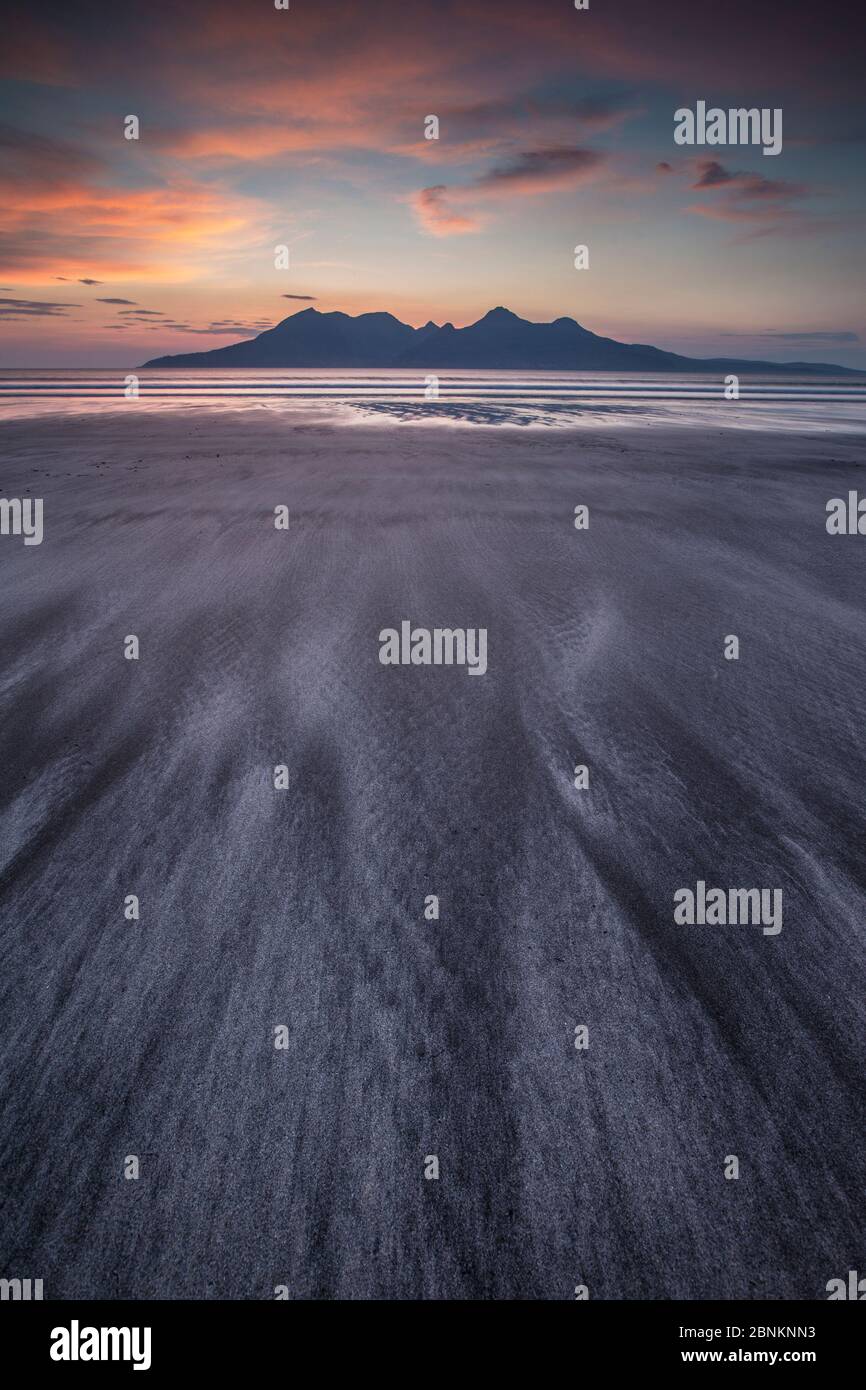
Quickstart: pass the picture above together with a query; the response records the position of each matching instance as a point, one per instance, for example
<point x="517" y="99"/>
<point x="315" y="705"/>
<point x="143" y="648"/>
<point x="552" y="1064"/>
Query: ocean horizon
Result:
<point x="565" y="399"/>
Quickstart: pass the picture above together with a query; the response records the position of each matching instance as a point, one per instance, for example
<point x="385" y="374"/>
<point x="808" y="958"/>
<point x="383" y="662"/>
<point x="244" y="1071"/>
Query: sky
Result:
<point x="304" y="128"/>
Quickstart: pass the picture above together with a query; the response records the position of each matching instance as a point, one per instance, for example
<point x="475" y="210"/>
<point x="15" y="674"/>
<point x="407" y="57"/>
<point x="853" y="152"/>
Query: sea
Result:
<point x="548" y="399"/>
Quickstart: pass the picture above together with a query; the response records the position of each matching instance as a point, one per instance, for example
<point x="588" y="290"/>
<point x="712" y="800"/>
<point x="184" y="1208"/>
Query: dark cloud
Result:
<point x="754" y="186"/>
<point x="298" y="296"/>
<point x="663" y="167"/>
<point x="219" y="328"/>
<point x="33" y="308"/>
<point x="90" y="282"/>
<point x="116" y="301"/>
<point x="712" y="174"/>
<point x="215" y="330"/>
<point x="799" y="44"/>
<point x="541" y="169"/>
<point x="809" y="337"/>
<point x="507" y="120"/>
<point x="762" y="207"/>
<point x="29" y="161"/>
<point x="747" y="185"/>
<point x="451" y="211"/>
<point x="590" y="109"/>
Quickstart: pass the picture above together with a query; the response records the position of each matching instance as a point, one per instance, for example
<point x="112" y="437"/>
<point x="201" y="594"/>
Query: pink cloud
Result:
<point x="438" y="217"/>
<point x="452" y="211"/>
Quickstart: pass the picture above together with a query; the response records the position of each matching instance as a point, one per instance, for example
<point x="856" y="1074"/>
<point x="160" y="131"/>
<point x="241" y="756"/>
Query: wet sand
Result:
<point x="304" y="1166"/>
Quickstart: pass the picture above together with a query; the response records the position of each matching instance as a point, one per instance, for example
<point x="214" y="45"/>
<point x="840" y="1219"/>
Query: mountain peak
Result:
<point x="298" y="314"/>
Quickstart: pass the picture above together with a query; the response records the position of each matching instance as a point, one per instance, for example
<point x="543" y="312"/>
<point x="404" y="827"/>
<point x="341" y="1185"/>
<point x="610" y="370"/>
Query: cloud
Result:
<point x="490" y="128"/>
<point x="763" y="206"/>
<point x="116" y="301"/>
<point x="215" y="330"/>
<point x="842" y="336"/>
<point x="35" y="50"/>
<point x="453" y="211"/>
<point x="218" y="329"/>
<point x="251" y="141"/>
<point x="712" y="174"/>
<point x="90" y="282"/>
<point x="245" y="330"/>
<point x="390" y="124"/>
<point x="58" y="207"/>
<point x="438" y="217"/>
<point x="245" y="58"/>
<point x="663" y="167"/>
<point x="33" y="308"/>
<point x="29" y="162"/>
<point x="541" y="171"/>
<point x="298" y="296"/>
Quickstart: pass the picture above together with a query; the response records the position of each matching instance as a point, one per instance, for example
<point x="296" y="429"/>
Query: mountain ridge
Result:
<point x="499" y="340"/>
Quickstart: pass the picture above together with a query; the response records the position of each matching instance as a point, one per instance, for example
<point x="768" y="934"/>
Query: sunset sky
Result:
<point x="305" y="127"/>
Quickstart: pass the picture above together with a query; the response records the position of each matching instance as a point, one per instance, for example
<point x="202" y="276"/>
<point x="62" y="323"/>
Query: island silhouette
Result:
<point x="499" y="340"/>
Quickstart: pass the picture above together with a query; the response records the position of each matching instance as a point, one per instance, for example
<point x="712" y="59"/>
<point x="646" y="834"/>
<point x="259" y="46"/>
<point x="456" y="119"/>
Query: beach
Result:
<point x="302" y="1166"/>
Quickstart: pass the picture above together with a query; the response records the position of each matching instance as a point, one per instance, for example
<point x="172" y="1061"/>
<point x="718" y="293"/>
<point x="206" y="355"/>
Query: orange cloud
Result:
<point x="437" y="217"/>
<point x="246" y="141"/>
<point x="58" y="219"/>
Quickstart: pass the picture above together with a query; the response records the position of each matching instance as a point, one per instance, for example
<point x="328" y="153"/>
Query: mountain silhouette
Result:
<point x="499" y="340"/>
